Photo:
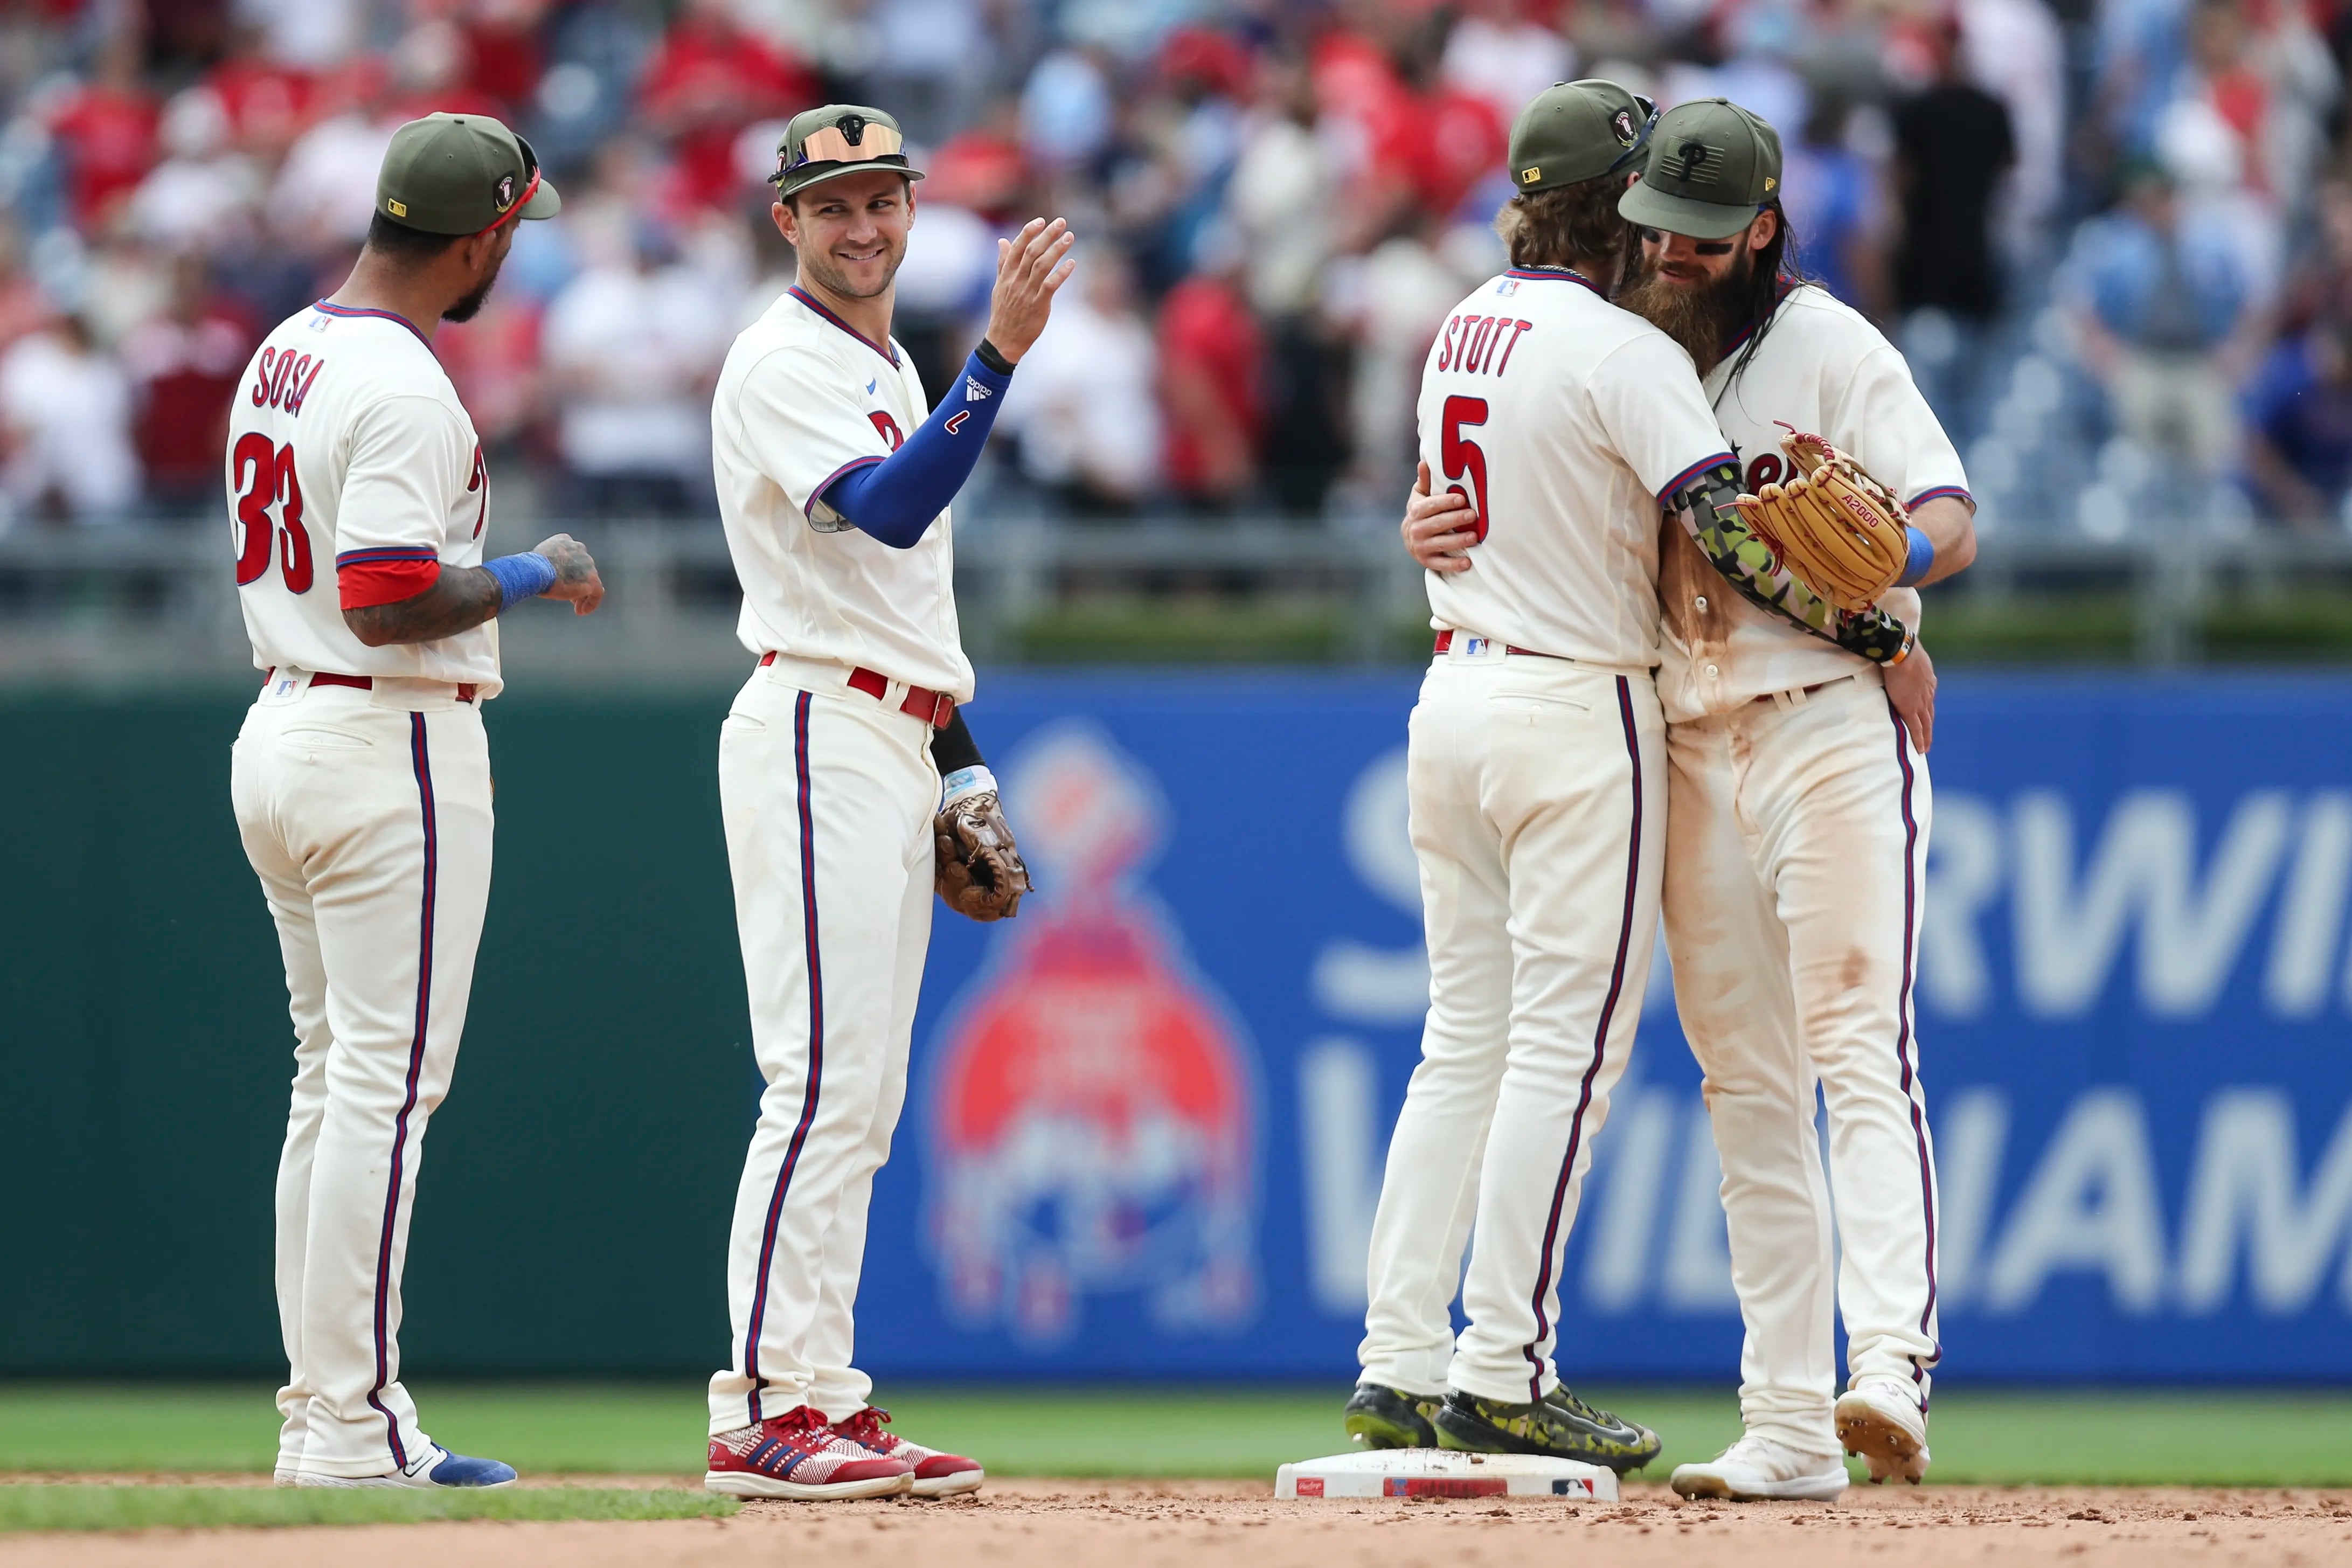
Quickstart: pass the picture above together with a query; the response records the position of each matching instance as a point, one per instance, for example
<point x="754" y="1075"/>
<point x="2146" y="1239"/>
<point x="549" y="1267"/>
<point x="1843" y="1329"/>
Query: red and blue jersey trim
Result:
<point x="1675" y="485"/>
<point x="850" y="466"/>
<point x="888" y="351"/>
<point x="384" y="575"/>
<point x="1554" y="275"/>
<point x="324" y="309"/>
<point x="1959" y="493"/>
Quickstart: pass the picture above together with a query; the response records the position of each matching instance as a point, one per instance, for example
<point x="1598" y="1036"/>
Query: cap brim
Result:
<point x="799" y="181"/>
<point x="544" y="201"/>
<point x="1644" y="205"/>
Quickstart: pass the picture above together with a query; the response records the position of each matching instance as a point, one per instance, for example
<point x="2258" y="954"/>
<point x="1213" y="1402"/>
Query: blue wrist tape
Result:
<point x="896" y="498"/>
<point x="1922" y="559"/>
<point x="963" y="782"/>
<point x="524" y="576"/>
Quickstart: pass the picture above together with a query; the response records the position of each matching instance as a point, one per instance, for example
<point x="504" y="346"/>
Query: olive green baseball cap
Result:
<point x="1712" y="167"/>
<point x="461" y="173"/>
<point x="1577" y="131"/>
<point x="821" y="144"/>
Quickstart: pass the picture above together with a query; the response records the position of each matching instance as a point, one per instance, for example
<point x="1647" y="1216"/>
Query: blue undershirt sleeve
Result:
<point x="896" y="500"/>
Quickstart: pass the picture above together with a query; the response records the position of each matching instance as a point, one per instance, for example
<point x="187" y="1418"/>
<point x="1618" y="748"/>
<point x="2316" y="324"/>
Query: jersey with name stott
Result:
<point x="1564" y="420"/>
<point x="1826" y="370"/>
<point x="354" y="477"/>
<point x="804" y="399"/>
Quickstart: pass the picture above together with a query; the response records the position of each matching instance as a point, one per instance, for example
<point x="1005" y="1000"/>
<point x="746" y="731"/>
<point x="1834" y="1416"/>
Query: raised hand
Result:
<point x="576" y="574"/>
<point x="1030" y="266"/>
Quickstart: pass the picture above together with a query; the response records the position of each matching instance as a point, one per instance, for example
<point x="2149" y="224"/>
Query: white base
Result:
<point x="1441" y="1472"/>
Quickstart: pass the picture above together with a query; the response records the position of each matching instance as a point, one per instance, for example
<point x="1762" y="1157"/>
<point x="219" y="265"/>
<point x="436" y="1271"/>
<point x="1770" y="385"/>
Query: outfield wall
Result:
<point x="1146" y="1121"/>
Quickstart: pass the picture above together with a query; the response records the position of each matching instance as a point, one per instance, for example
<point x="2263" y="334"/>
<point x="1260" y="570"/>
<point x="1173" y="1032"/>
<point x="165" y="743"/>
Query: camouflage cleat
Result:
<point x="1560" y="1426"/>
<point x="1379" y="1417"/>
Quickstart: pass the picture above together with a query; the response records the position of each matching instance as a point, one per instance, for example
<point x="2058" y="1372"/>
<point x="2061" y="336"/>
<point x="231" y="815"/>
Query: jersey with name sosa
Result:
<point x="354" y="475"/>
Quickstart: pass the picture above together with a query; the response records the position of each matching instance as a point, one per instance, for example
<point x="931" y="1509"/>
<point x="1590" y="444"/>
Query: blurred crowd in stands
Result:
<point x="2113" y="237"/>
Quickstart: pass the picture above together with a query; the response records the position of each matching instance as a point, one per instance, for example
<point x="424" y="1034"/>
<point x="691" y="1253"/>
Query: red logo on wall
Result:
<point x="1092" y="1121"/>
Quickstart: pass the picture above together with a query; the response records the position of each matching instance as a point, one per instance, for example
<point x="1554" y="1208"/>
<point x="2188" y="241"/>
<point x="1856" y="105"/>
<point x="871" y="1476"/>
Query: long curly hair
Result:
<point x="1563" y="228"/>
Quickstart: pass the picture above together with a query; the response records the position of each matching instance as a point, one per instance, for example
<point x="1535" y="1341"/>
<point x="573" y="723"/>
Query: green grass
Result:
<point x="194" y="1508"/>
<point x="2261" y="1438"/>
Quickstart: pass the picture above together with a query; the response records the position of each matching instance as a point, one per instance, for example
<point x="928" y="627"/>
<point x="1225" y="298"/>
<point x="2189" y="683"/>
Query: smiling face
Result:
<point x="850" y="232"/>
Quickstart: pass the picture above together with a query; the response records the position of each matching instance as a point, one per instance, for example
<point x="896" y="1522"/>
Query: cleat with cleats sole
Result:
<point x="1884" y="1425"/>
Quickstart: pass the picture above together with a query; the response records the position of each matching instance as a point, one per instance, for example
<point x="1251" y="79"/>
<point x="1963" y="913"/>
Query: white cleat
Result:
<point x="1881" y="1422"/>
<point x="1758" y="1470"/>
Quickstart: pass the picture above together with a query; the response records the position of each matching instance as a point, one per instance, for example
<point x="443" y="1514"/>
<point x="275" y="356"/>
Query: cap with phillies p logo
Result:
<point x="1713" y="166"/>
<point x="1577" y="131"/>
<point x="821" y="144"/>
<point x="461" y="173"/>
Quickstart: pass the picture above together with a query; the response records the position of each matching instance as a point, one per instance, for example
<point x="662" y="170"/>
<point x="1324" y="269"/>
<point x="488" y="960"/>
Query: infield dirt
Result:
<point x="1140" y="1524"/>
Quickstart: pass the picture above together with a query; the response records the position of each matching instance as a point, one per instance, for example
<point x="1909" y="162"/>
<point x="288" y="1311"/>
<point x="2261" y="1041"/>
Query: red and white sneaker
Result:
<point x="936" y="1474"/>
<point x="796" y="1455"/>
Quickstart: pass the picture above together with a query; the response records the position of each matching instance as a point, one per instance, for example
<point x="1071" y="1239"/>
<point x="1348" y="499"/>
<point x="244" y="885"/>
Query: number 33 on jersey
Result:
<point x="1563" y="420"/>
<point x="353" y="475"/>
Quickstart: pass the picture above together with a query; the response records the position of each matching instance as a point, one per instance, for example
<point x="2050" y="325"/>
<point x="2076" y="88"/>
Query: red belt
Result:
<point x="466" y="690"/>
<point x="1446" y="640"/>
<point x="933" y="708"/>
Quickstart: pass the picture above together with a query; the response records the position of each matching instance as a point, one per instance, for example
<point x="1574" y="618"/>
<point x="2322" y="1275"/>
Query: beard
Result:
<point x="1702" y="317"/>
<point x="466" y="309"/>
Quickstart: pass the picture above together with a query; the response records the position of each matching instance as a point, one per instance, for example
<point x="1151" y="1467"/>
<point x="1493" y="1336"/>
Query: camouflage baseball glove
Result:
<point x="980" y="871"/>
<point x="1845" y="536"/>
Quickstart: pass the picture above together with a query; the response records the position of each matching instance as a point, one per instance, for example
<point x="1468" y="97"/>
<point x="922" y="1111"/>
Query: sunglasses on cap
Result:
<point x="832" y="144"/>
<point x="530" y="176"/>
<point x="1649" y="112"/>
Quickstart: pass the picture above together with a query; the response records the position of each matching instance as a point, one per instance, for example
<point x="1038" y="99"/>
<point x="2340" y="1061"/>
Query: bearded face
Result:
<point x="1698" y="310"/>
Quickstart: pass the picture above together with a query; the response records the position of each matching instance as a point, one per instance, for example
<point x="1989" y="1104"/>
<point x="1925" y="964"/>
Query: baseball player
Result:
<point x="358" y="505"/>
<point x="1537" y="783"/>
<point x="1799" y="810"/>
<point x="849" y="783"/>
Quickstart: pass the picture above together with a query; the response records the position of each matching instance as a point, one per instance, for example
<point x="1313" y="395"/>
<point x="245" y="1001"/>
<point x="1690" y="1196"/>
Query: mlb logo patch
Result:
<point x="1508" y="286"/>
<point x="1474" y="648"/>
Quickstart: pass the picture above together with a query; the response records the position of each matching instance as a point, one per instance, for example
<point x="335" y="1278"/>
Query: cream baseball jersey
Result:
<point x="1822" y="369"/>
<point x="1564" y="420"/>
<point x="804" y="399"/>
<point x="354" y="475"/>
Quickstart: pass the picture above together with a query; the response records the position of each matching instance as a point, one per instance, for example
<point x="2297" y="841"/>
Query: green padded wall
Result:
<point x="601" y="1101"/>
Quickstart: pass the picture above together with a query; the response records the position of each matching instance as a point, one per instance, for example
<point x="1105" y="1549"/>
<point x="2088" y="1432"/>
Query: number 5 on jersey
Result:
<point x="1463" y="458"/>
<point x="263" y="473"/>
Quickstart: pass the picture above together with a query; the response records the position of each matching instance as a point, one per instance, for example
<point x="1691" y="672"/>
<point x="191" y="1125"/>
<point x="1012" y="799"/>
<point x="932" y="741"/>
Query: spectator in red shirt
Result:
<point x="108" y="130"/>
<point x="1212" y="373"/>
<point x="185" y="367"/>
<point x="269" y="103"/>
<point x="707" y="81"/>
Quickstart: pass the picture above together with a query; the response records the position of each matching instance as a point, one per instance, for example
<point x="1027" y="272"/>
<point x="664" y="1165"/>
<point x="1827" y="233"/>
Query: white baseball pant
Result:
<point x="367" y="817"/>
<point x="1797" y="851"/>
<point x="1537" y="789"/>
<point x="828" y="796"/>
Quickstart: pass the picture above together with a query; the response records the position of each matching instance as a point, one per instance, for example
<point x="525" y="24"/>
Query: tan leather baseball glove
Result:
<point x="980" y="872"/>
<point x="1840" y="530"/>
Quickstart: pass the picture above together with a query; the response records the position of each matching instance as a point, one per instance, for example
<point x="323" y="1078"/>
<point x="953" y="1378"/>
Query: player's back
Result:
<point x="353" y="475"/>
<point x="1563" y="419"/>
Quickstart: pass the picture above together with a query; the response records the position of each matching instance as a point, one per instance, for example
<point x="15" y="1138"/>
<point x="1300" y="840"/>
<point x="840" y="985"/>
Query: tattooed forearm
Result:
<point x="1754" y="568"/>
<point x="461" y="598"/>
